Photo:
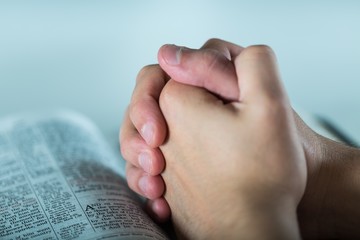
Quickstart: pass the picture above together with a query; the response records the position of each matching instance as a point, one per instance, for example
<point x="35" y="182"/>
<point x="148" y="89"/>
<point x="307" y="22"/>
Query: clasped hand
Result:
<point x="234" y="161"/>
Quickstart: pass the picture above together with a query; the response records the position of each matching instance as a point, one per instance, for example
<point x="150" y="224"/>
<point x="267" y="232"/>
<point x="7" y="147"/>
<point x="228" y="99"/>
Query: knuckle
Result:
<point x="136" y="107"/>
<point x="258" y="51"/>
<point x="124" y="125"/>
<point x="129" y="178"/>
<point x="122" y="135"/>
<point x="127" y="171"/>
<point x="168" y="94"/>
<point x="212" y="41"/>
<point x="145" y="71"/>
<point x="172" y="97"/>
<point x="211" y="59"/>
<point x="130" y="146"/>
<point x="124" y="149"/>
<point x="121" y="130"/>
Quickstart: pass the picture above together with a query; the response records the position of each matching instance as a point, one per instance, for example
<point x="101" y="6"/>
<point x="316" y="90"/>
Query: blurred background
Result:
<point x="85" y="55"/>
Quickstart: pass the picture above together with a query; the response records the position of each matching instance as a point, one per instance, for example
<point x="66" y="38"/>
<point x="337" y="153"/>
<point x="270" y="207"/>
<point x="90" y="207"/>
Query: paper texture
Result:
<point x="59" y="180"/>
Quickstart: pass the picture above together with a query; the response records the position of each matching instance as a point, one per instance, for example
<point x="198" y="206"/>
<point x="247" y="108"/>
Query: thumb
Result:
<point x="207" y="68"/>
<point x="258" y="76"/>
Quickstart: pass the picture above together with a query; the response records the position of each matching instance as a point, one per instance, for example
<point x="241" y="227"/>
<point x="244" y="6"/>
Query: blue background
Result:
<point x="85" y="55"/>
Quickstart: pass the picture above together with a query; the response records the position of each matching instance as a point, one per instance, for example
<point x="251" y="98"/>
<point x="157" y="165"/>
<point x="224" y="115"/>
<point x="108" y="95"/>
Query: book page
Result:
<point x="59" y="180"/>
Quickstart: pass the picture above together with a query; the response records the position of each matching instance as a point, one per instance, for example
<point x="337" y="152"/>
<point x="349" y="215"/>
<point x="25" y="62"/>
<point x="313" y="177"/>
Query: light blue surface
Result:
<point x="85" y="55"/>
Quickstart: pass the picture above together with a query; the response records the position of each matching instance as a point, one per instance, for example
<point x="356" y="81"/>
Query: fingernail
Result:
<point x="147" y="132"/>
<point x="144" y="161"/>
<point x="143" y="184"/>
<point x="172" y="54"/>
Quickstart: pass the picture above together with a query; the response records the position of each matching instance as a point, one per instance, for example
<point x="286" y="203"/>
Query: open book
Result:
<point x="59" y="180"/>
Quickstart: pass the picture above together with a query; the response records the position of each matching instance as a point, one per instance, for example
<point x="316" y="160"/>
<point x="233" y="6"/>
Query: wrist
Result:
<point x="343" y="195"/>
<point x="259" y="220"/>
<point x="329" y="207"/>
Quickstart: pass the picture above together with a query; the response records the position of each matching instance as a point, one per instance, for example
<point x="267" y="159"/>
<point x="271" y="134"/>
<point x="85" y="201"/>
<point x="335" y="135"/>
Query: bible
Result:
<point x="60" y="180"/>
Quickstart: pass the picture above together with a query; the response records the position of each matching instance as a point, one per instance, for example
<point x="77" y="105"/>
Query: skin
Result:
<point x="213" y="146"/>
<point x="320" y="216"/>
<point x="137" y="126"/>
